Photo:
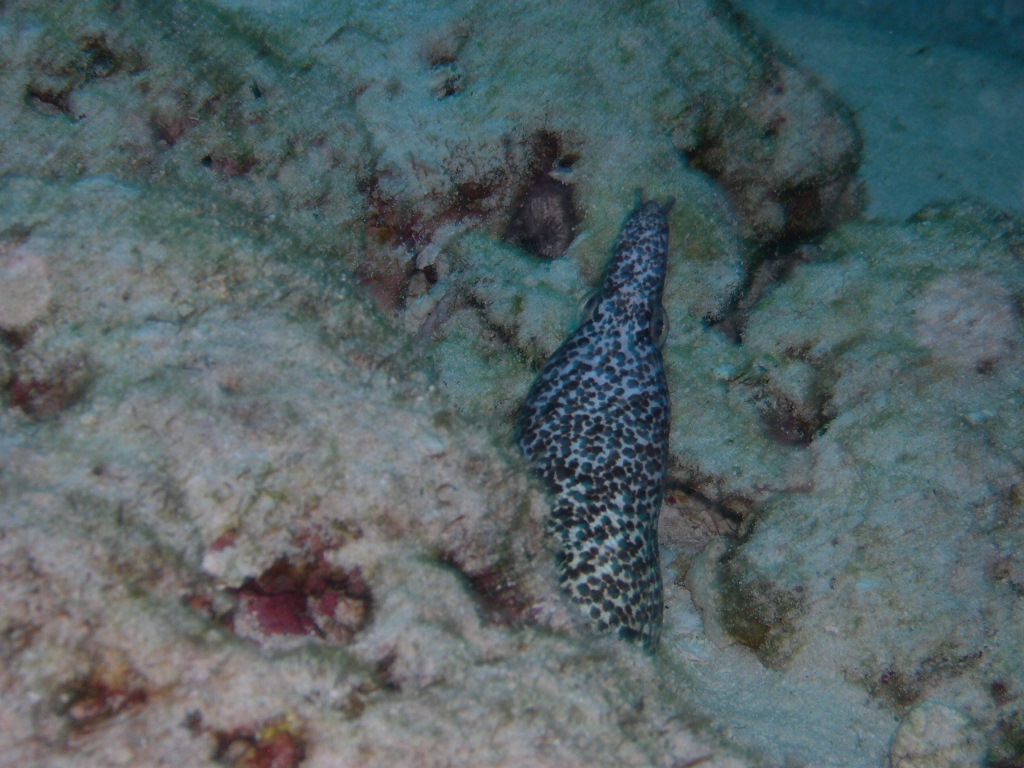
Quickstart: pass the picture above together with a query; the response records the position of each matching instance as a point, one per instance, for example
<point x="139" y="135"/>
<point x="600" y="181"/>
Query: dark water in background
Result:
<point x="937" y="87"/>
<point x="994" y="26"/>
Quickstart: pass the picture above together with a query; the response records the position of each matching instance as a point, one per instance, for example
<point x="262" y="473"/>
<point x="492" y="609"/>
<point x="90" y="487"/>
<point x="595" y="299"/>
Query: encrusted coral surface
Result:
<point x="914" y="500"/>
<point x="273" y="282"/>
<point x="261" y="531"/>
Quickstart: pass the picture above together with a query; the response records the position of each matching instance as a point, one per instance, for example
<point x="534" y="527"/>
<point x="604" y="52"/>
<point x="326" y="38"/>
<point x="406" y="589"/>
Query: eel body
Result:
<point x="595" y="427"/>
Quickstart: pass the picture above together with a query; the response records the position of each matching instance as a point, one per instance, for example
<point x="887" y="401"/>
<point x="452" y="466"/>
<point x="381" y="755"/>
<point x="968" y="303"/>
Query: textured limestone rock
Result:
<point x="348" y="122"/>
<point x="787" y="153"/>
<point x="894" y="562"/>
<point x="260" y="536"/>
<point x="240" y="525"/>
<point x="24" y="289"/>
<point x="935" y="736"/>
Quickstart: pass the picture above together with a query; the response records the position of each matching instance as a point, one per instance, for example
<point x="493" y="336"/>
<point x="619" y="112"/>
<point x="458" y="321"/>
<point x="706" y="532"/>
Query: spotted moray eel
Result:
<point x="595" y="427"/>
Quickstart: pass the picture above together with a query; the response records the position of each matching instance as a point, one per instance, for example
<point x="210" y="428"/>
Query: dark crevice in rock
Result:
<point x="756" y="612"/>
<point x="545" y="218"/>
<point x="766" y="270"/>
<point x="496" y="592"/>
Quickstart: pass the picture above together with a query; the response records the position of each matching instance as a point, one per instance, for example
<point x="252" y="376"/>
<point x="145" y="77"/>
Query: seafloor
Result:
<point x="275" y="277"/>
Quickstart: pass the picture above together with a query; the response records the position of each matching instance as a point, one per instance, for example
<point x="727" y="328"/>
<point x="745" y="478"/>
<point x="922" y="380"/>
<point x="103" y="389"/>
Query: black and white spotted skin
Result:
<point x="595" y="426"/>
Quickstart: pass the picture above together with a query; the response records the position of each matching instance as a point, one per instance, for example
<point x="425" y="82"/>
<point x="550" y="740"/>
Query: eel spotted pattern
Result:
<point x="595" y="427"/>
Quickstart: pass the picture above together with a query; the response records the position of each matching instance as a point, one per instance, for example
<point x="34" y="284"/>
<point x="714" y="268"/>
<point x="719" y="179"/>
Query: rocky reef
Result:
<point x="255" y="534"/>
<point x="274" y="280"/>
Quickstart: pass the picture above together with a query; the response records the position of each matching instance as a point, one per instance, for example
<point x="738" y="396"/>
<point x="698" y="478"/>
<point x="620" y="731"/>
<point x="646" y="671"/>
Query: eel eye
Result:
<point x="659" y="325"/>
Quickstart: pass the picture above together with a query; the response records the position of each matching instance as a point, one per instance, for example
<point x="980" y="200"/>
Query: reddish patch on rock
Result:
<point x="894" y="685"/>
<point x="50" y="100"/>
<point x="225" y="540"/>
<point x="394" y="231"/>
<point x="170" y="126"/>
<point x="202" y="602"/>
<point x="500" y="597"/>
<point x="498" y="594"/>
<point x="1001" y="693"/>
<point x="276" y="744"/>
<point x="791" y="423"/>
<point x="286" y="613"/>
<point x="536" y="209"/>
<point x="385" y="668"/>
<point x="390" y="222"/>
<point x="230" y="165"/>
<point x="43" y="394"/>
<point x="312" y="598"/>
<point x="316" y="539"/>
<point x="242" y="750"/>
<point x="91" y="701"/>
